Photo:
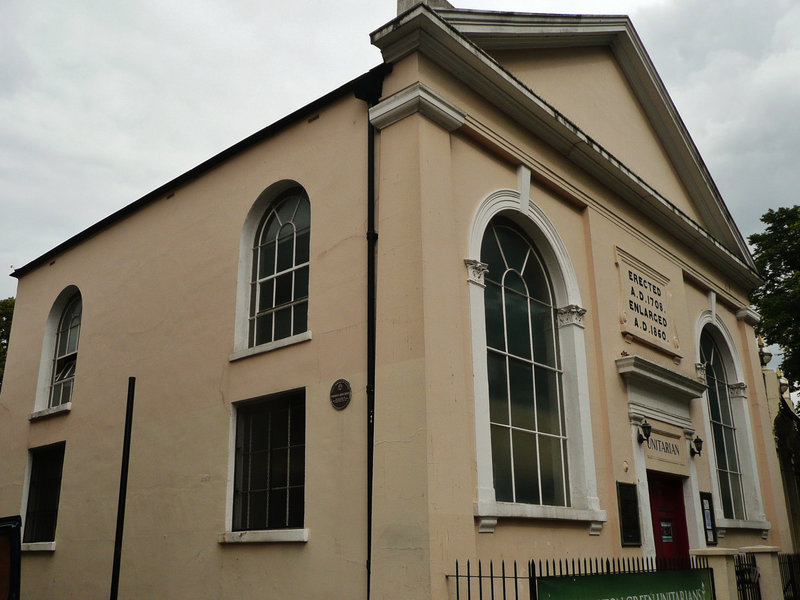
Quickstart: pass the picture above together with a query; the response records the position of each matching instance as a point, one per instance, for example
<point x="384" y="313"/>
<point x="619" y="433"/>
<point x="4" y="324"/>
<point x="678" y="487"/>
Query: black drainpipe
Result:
<point x="369" y="89"/>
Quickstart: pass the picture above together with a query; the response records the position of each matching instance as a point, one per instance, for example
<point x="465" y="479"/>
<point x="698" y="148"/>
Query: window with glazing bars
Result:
<point x="44" y="490"/>
<point x="269" y="476"/>
<point x="528" y="432"/>
<point x="723" y="429"/>
<point x="279" y="276"/>
<point x="66" y="353"/>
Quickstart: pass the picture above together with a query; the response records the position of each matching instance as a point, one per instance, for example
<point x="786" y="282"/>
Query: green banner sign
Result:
<point x="692" y="584"/>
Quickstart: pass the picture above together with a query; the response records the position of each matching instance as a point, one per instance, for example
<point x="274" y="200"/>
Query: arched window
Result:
<point x="66" y="353"/>
<point x="723" y="428"/>
<point x="279" y="274"/>
<point x="526" y="413"/>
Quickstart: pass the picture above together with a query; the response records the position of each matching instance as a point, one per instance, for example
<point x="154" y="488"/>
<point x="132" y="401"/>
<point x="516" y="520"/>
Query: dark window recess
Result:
<point x="43" y="493"/>
<point x="709" y="522"/>
<point x="269" y="476"/>
<point x="628" y="501"/>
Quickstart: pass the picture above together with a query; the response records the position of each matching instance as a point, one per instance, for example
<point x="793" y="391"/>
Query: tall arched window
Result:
<point x="723" y="428"/>
<point x="279" y="274"/>
<point x="526" y="413"/>
<point x="66" y="353"/>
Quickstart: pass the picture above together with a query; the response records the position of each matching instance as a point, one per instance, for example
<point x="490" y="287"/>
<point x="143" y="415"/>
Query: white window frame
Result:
<point x="228" y="536"/>
<point x="751" y="486"/>
<point x="241" y="348"/>
<point x="583" y="500"/>
<point x="41" y="408"/>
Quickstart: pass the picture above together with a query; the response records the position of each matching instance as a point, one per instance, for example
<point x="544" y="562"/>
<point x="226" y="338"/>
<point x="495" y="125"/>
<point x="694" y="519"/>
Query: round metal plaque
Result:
<point x="341" y="394"/>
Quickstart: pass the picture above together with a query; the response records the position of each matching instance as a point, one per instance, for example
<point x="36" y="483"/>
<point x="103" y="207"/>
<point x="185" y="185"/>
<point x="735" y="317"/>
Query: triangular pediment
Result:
<point x="488" y="50"/>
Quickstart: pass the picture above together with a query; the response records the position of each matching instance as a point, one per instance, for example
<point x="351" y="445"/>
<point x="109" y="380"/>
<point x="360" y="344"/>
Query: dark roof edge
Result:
<point x="353" y="85"/>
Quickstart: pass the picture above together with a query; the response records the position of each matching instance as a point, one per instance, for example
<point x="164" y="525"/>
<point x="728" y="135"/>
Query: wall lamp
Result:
<point x="697" y="447"/>
<point x="764" y="354"/>
<point x="646" y="430"/>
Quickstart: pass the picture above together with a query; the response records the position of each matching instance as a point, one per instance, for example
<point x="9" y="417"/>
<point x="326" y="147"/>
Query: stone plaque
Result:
<point x="665" y="447"/>
<point x="645" y="311"/>
<point x="341" y="393"/>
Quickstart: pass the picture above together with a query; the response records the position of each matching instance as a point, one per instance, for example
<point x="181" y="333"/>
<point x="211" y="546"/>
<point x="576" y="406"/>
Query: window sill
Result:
<point x="38" y="547"/>
<point x="724" y="524"/>
<point x="489" y="512"/>
<point x="50" y="412"/>
<point x="295" y="339"/>
<point x="268" y="536"/>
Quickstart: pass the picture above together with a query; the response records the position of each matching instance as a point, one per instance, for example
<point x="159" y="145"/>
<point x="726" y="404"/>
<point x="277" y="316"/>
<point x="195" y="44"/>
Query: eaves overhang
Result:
<point x="442" y="37"/>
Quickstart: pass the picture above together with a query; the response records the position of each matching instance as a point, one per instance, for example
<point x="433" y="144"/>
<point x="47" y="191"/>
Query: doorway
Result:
<point x="668" y="514"/>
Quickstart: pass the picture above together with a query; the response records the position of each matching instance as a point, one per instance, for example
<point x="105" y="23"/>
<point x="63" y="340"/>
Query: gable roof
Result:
<point x="457" y="41"/>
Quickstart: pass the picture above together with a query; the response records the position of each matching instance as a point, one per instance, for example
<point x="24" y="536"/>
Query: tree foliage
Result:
<point x="6" y="312"/>
<point x="777" y="255"/>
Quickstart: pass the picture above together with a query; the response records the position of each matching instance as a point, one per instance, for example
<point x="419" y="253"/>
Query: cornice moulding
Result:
<point x="644" y="372"/>
<point x="413" y="99"/>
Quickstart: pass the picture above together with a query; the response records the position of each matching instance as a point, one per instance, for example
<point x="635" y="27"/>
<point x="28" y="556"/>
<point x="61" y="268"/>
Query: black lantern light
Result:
<point x="697" y="447"/>
<point x="647" y="429"/>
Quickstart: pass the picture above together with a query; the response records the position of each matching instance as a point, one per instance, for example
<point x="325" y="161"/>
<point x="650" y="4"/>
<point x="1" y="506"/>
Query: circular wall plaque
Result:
<point x="341" y="394"/>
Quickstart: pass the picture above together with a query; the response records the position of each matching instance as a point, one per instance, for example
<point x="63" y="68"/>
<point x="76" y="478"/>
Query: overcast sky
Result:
<point x="102" y="102"/>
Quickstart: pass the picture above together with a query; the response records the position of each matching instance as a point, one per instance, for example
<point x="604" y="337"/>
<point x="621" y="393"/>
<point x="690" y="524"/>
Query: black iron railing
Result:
<point x="790" y="575"/>
<point x="490" y="580"/>
<point x="747" y="577"/>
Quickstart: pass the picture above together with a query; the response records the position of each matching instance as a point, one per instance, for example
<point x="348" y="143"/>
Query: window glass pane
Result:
<point x="301" y="247"/>
<point x="257" y="434"/>
<point x="719" y="446"/>
<point x="270" y="230"/>
<point x="552" y="476"/>
<point x="251" y="332"/>
<point x="547" y="401"/>
<point x="62" y="344"/>
<point x="283" y="289"/>
<point x="730" y="448"/>
<point x="526" y="476"/>
<point x="302" y="217"/>
<point x="43" y="493"/>
<point x="300" y="318"/>
<point x="277" y="508"/>
<point x="536" y="280"/>
<point x="258" y="470"/>
<point x="257" y="510"/>
<point x="66" y="392"/>
<point x="295" y="507"/>
<point x="724" y="403"/>
<point x="498" y="392"/>
<point x="279" y="428"/>
<point x="72" y="343"/>
<point x="517" y="333"/>
<point x="297" y="466"/>
<point x="513" y="281"/>
<point x="286" y="248"/>
<point x="254" y="269"/>
<point x="544" y="350"/>
<point x="266" y="262"/>
<point x="501" y="464"/>
<point x="265" y="298"/>
<point x="279" y="468"/>
<point x="495" y="331"/>
<point x="301" y="283"/>
<point x="713" y="401"/>
<point x="737" y="498"/>
<point x="283" y="323"/>
<point x="490" y="254"/>
<point x="253" y="310"/>
<point x="725" y="493"/>
<point x="287" y="207"/>
<point x="521" y="385"/>
<point x="298" y="422"/>
<point x="514" y="248"/>
<point x="264" y="329"/>
<point x="565" y="473"/>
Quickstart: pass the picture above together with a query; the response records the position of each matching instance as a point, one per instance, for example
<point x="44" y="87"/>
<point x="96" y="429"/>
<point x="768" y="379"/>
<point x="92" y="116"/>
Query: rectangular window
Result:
<point x="269" y="477"/>
<point x="628" y="501"/>
<point x="43" y="493"/>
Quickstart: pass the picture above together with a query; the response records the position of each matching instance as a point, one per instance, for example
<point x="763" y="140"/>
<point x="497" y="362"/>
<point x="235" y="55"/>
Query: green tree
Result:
<point x="777" y="255"/>
<point x="6" y="312"/>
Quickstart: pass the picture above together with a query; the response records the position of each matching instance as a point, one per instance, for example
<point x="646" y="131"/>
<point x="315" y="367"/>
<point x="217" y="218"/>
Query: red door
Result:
<point x="669" y="516"/>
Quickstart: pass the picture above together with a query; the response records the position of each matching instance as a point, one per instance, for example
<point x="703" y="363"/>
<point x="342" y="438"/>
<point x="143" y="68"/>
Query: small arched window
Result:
<point x="66" y="353"/>
<point x="279" y="274"/>
<point x="526" y="413"/>
<point x="723" y="428"/>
